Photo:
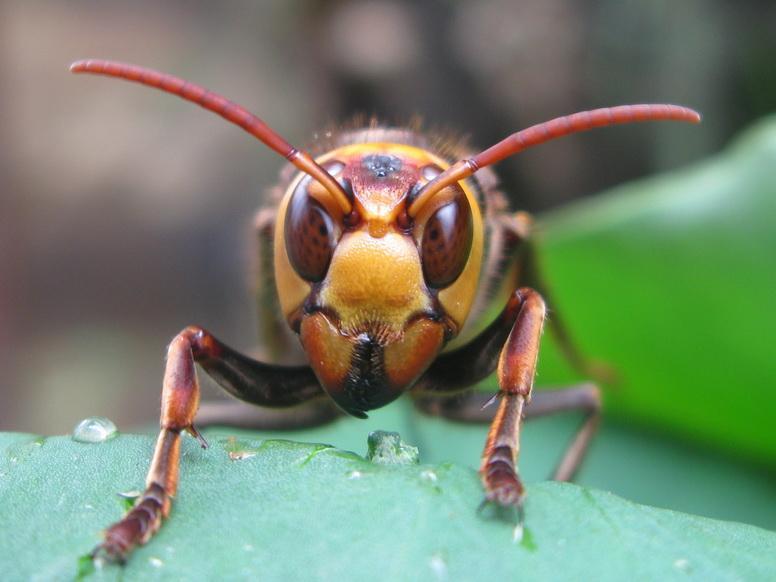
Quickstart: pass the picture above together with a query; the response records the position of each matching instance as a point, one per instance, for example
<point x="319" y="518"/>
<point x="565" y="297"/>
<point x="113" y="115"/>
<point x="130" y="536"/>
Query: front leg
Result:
<point x="515" y="373"/>
<point x="247" y="379"/>
<point x="511" y="345"/>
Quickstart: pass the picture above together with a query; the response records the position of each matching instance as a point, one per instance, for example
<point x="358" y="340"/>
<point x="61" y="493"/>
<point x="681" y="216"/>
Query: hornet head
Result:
<point x="375" y="293"/>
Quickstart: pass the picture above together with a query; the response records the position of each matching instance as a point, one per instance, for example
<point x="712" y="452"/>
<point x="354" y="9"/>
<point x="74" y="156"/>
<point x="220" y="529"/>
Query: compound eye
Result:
<point x="310" y="235"/>
<point x="446" y="243"/>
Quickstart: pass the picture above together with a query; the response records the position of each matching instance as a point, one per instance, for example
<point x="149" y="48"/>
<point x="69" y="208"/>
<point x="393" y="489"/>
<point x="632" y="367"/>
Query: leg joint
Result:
<point x="201" y="342"/>
<point x="526" y="297"/>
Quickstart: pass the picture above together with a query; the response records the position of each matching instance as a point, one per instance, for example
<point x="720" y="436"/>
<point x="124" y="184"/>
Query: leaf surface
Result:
<point x="287" y="510"/>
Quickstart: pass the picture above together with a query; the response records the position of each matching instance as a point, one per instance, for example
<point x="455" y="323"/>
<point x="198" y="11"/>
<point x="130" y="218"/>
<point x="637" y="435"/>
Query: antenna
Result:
<point x="542" y="132"/>
<point x="225" y="108"/>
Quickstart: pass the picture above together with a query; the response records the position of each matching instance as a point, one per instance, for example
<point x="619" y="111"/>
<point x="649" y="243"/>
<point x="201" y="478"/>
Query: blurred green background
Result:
<point x="125" y="215"/>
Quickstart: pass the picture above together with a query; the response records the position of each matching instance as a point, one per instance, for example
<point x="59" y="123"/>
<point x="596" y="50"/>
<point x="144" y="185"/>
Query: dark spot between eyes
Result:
<point x="381" y="165"/>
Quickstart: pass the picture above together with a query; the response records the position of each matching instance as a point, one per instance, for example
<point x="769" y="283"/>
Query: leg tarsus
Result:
<point x="135" y="528"/>
<point x="145" y="518"/>
<point x="498" y="470"/>
<point x="500" y="476"/>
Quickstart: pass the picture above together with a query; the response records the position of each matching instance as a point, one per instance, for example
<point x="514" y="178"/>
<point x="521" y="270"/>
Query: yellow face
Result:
<point x="375" y="295"/>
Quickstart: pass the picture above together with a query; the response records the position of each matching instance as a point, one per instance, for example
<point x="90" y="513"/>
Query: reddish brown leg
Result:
<point x="515" y="372"/>
<point x="180" y="400"/>
<point x="245" y="378"/>
<point x="511" y="345"/>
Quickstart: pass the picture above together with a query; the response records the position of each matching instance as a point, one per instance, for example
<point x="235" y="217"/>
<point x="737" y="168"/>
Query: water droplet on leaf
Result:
<point x="438" y="566"/>
<point x="517" y="533"/>
<point x="428" y="475"/>
<point x="240" y="455"/>
<point x="387" y="448"/>
<point x="682" y="564"/>
<point x="95" y="429"/>
<point x="133" y="494"/>
<point x="238" y="450"/>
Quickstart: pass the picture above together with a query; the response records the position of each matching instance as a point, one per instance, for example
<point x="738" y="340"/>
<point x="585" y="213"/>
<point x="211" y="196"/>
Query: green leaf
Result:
<point x="252" y="508"/>
<point x="672" y="280"/>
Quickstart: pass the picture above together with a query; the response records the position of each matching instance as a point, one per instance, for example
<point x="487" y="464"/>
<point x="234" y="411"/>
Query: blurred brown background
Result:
<point x="125" y="214"/>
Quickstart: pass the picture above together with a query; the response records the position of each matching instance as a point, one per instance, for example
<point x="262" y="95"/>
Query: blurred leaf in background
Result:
<point x="672" y="280"/>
